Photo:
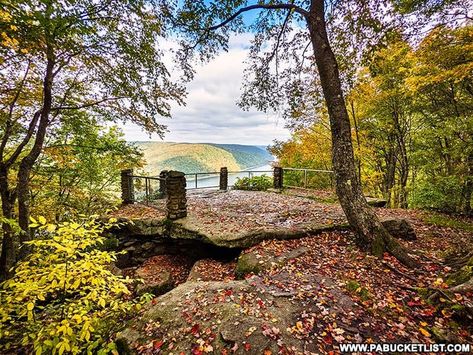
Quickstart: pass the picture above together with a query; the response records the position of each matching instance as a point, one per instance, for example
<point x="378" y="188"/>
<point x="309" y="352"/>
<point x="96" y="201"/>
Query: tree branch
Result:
<point x="293" y="7"/>
<point x="278" y="41"/>
<point x="9" y="123"/>
<point x="86" y="105"/>
<point x="26" y="139"/>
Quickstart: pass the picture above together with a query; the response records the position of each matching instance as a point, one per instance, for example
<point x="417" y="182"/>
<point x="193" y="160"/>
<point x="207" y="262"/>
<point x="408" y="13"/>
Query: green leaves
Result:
<point x="255" y="183"/>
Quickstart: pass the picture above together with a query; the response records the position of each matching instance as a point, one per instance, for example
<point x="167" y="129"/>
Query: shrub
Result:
<point x="444" y="194"/>
<point x="255" y="183"/>
<point x="63" y="296"/>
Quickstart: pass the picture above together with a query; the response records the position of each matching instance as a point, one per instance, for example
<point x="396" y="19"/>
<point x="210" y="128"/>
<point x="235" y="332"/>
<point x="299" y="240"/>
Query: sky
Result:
<point x="211" y="114"/>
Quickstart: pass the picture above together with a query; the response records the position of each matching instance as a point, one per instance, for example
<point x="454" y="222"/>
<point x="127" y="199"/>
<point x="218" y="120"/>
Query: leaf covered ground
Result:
<point x="333" y="293"/>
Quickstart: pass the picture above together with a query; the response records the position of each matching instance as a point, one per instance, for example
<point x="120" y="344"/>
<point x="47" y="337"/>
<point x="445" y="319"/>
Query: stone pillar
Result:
<point x="223" y="178"/>
<point x="176" y="203"/>
<point x="128" y="193"/>
<point x="278" y="178"/>
<point x="162" y="183"/>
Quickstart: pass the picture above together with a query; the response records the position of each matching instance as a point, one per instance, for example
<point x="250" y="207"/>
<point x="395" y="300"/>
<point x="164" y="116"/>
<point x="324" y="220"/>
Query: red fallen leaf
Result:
<point x="157" y="344"/>
<point x="328" y="339"/>
<point x="247" y="346"/>
<point x="228" y="292"/>
<point x="429" y="312"/>
<point x="261" y="304"/>
<point x="433" y="267"/>
<point x="414" y="303"/>
<point x="195" y="329"/>
<point x="196" y="351"/>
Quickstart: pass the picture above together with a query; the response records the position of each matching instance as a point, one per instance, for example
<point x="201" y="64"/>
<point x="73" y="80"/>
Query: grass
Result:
<point x="442" y="220"/>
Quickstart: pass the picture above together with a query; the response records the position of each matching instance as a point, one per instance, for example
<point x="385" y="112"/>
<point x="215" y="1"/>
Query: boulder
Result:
<point x="253" y="263"/>
<point x="212" y="270"/>
<point x="376" y="202"/>
<point x="242" y="317"/>
<point x="399" y="228"/>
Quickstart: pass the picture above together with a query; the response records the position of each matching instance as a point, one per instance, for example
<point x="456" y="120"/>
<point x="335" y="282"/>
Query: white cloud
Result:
<point x="211" y="113"/>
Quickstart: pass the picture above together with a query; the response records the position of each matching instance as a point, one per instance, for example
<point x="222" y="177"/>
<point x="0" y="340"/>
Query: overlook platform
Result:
<point x="238" y="219"/>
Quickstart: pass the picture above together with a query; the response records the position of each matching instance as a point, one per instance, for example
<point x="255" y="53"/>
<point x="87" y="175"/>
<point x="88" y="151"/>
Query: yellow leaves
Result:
<point x="8" y="42"/>
<point x="63" y="346"/>
<point x="51" y="228"/>
<point x="63" y="269"/>
<point x="424" y="332"/>
<point x="5" y="16"/>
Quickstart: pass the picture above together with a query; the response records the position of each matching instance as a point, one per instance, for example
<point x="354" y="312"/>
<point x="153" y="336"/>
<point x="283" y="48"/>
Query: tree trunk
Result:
<point x="28" y="161"/>
<point x="369" y="232"/>
<point x="389" y="174"/>
<point x="468" y="188"/>
<point x="357" y="135"/>
<point x="8" y="256"/>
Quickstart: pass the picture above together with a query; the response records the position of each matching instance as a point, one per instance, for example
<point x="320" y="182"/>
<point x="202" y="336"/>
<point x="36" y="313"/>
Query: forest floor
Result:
<point x="336" y="293"/>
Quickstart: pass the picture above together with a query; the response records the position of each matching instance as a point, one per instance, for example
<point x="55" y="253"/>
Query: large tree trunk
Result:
<point x="370" y="234"/>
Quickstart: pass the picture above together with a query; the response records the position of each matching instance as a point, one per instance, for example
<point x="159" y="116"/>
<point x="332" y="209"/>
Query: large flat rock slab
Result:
<point x="244" y="218"/>
<point x="235" y="218"/>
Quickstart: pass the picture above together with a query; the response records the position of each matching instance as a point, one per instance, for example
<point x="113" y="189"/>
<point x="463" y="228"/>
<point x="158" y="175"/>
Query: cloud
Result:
<point x="211" y="113"/>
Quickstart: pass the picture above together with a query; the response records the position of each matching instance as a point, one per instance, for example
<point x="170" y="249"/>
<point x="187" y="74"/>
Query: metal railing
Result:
<point x="147" y="188"/>
<point x="193" y="180"/>
<point x="194" y="183"/>
<point x="308" y="178"/>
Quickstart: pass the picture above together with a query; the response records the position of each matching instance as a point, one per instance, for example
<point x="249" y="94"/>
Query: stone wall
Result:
<point x="278" y="178"/>
<point x="223" y="178"/>
<point x="128" y="195"/>
<point x="176" y="202"/>
<point x="162" y="183"/>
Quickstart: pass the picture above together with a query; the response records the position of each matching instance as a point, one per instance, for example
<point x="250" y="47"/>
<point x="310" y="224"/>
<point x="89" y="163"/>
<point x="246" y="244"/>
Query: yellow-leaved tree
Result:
<point x="64" y="297"/>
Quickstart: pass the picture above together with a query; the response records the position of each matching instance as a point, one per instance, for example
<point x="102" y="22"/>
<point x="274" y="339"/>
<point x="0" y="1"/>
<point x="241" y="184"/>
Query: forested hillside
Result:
<point x="201" y="157"/>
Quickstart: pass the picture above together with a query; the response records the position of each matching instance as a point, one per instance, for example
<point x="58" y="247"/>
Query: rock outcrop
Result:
<point x="246" y="316"/>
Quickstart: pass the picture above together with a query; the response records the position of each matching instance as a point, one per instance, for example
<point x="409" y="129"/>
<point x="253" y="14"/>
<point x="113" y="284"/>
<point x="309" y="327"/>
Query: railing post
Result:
<point x="223" y="178"/>
<point x="278" y="178"/>
<point x="176" y="202"/>
<point x="128" y="193"/>
<point x="305" y="178"/>
<point x="162" y="183"/>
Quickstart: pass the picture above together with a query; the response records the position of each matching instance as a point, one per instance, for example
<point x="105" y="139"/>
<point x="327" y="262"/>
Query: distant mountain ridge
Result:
<point x="202" y="157"/>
